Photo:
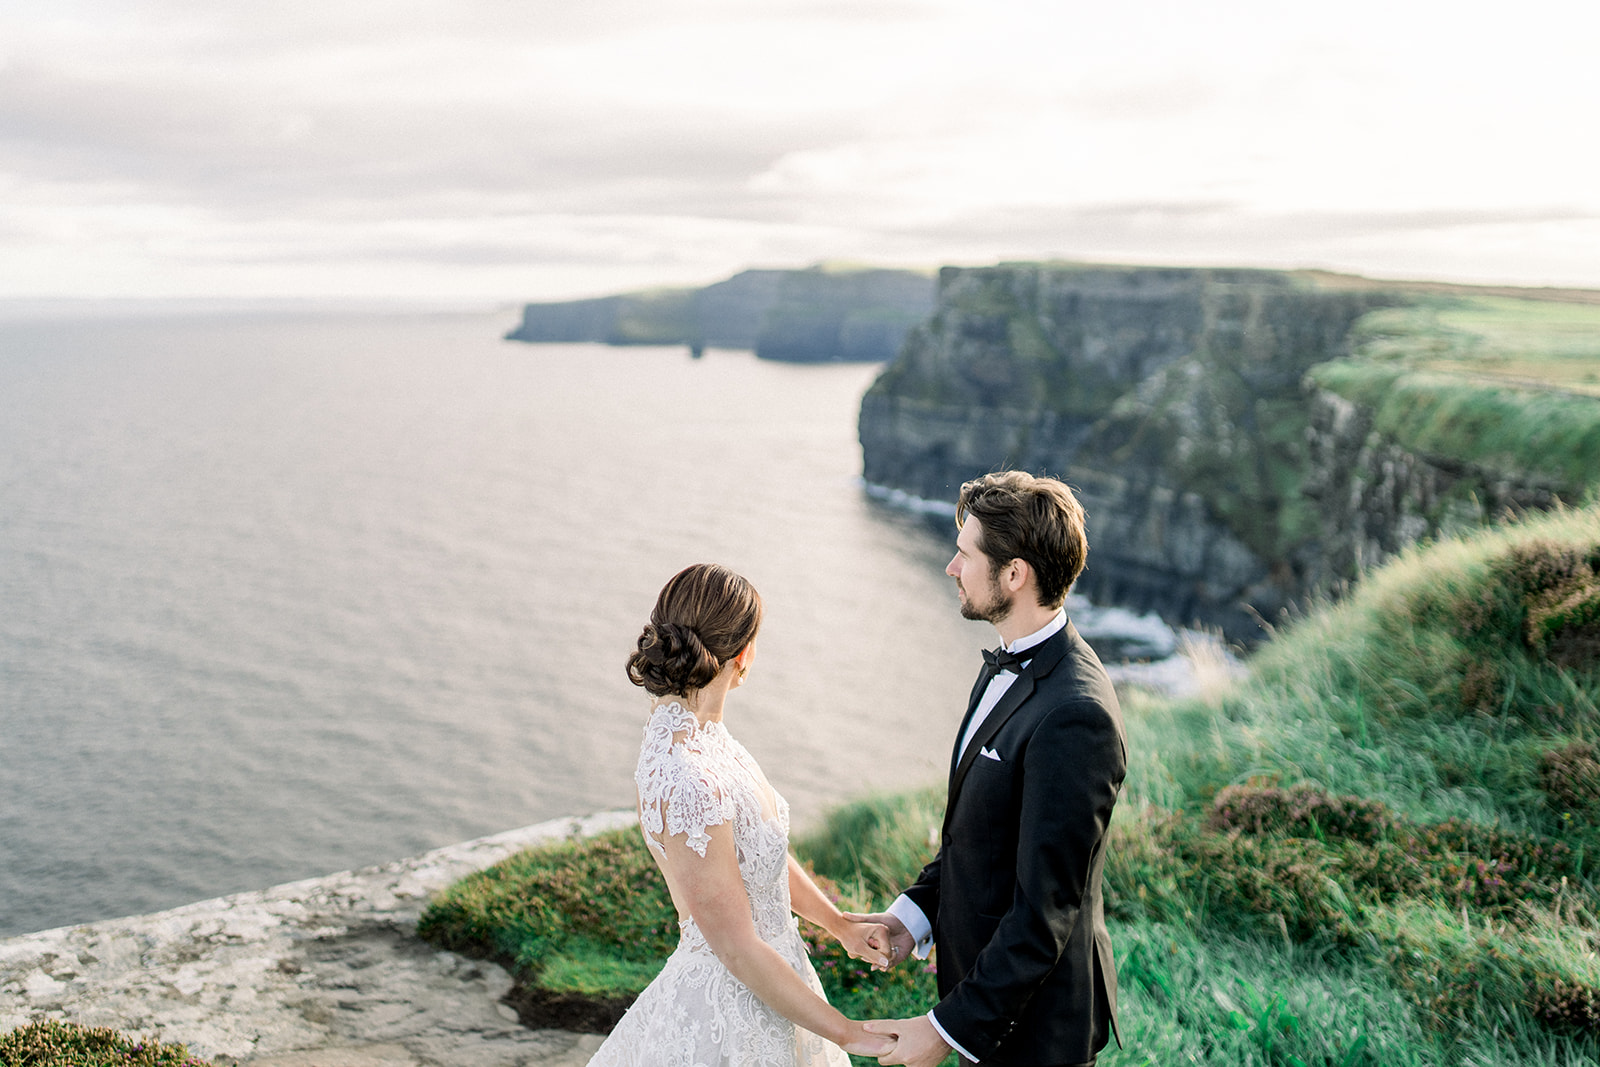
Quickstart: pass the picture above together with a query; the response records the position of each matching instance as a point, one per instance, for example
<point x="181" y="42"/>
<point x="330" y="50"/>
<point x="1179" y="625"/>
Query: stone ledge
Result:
<point x="325" y="972"/>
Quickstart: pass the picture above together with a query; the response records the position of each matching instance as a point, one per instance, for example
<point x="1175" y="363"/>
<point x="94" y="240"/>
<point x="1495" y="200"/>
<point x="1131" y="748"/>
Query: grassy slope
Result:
<point x="1511" y="385"/>
<point x="653" y="317"/>
<point x="1414" y="770"/>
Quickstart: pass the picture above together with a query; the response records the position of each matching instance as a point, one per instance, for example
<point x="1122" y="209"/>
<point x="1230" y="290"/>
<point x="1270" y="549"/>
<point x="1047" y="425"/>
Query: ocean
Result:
<point x="285" y="592"/>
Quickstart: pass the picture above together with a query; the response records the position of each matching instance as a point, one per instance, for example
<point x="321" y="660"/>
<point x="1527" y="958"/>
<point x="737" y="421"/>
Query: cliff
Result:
<point x="322" y="972"/>
<point x="821" y="314"/>
<point x="1230" y="460"/>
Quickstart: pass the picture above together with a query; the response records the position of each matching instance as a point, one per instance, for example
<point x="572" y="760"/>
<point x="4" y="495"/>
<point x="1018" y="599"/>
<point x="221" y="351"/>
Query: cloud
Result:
<point x="1194" y="222"/>
<point x="194" y="142"/>
<point x="282" y="143"/>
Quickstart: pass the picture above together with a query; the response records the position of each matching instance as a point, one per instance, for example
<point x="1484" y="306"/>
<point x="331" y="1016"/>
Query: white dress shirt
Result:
<point x="915" y="921"/>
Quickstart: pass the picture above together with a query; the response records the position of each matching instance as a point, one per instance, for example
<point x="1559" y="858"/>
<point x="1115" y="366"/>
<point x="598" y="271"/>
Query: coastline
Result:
<point x="322" y="972"/>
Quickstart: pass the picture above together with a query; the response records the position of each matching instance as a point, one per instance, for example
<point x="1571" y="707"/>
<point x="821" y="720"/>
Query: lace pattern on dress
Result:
<point x="682" y="765"/>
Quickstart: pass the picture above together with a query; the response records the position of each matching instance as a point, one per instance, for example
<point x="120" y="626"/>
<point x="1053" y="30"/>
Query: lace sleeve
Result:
<point x="679" y="789"/>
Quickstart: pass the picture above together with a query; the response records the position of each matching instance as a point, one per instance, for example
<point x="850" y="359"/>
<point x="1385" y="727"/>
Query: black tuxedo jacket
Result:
<point x="1025" y="968"/>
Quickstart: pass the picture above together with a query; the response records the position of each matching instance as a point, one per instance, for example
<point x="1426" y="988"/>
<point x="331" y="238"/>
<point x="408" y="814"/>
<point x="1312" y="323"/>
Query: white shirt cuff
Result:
<point x="950" y="1040"/>
<point x="917" y="925"/>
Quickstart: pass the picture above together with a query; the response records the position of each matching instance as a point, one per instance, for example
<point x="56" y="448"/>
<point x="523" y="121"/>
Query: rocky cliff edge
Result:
<point x="325" y="972"/>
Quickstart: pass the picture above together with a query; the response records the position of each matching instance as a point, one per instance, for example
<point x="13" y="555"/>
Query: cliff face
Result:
<point x="1221" y="484"/>
<point x="814" y="315"/>
<point x="862" y="316"/>
<point x="1375" y="497"/>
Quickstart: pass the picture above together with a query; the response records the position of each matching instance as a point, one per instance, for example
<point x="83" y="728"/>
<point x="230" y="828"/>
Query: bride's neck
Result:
<point x="706" y="703"/>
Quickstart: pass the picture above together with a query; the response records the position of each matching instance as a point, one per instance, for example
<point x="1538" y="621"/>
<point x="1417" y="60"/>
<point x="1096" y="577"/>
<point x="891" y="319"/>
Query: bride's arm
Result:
<point x="714" y="892"/>
<point x="861" y="939"/>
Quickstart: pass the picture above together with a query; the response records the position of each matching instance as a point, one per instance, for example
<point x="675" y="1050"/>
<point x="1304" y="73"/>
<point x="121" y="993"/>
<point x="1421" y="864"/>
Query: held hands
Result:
<point x="883" y="941"/>
<point x="917" y="1043"/>
<point x="859" y="1042"/>
<point x="867" y="940"/>
<point x="892" y="943"/>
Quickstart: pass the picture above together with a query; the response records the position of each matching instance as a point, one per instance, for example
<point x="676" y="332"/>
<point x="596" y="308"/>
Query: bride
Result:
<point x="738" y="991"/>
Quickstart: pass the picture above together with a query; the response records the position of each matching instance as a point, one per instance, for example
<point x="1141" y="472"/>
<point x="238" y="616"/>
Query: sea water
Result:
<point x="284" y="593"/>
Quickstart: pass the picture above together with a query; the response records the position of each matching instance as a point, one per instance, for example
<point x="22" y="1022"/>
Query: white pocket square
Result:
<point x="988" y="753"/>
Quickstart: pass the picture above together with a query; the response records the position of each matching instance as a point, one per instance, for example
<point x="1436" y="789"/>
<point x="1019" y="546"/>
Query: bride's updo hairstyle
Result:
<point x="703" y="618"/>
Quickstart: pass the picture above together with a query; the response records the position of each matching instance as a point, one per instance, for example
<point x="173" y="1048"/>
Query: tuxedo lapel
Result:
<point x="1049" y="653"/>
<point x="1020" y="690"/>
<point x="976" y="695"/>
<point x="984" y="677"/>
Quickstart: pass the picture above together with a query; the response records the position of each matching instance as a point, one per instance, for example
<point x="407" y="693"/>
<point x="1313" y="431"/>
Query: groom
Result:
<point x="1013" y="897"/>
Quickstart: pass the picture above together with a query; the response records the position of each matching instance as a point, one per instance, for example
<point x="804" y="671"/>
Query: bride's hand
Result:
<point x="867" y="941"/>
<point x="887" y="937"/>
<point x="860" y="1043"/>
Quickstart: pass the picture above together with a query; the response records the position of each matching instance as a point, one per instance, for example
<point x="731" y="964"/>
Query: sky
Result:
<point x="548" y="149"/>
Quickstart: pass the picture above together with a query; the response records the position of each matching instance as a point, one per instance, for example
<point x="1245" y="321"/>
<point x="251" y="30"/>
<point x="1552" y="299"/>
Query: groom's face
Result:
<point x="976" y="584"/>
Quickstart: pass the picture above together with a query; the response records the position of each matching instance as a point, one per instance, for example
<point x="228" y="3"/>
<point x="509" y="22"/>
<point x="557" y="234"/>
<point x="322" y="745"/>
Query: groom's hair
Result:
<point x="1036" y="520"/>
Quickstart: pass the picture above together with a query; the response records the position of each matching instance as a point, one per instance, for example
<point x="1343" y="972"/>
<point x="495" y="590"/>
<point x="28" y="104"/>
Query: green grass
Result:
<point x="1186" y="998"/>
<point x="55" y="1044"/>
<point x="1423" y="689"/>
<point x="1406" y="785"/>
<point x="1379" y="847"/>
<point x="1545" y="343"/>
<point x="875" y="844"/>
<point x="1549" y="435"/>
<point x="1505" y="384"/>
<point x="590" y="916"/>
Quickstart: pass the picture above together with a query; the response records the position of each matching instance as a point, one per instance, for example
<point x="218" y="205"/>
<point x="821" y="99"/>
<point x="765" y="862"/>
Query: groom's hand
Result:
<point x="917" y="1043"/>
<point x="900" y="942"/>
<point x="865" y="941"/>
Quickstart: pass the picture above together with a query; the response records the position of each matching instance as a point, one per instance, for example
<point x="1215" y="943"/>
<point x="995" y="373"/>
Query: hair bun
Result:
<point x="670" y="658"/>
<point x="705" y="616"/>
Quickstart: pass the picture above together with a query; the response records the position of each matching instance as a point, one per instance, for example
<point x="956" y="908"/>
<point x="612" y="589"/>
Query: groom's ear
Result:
<point x="1014" y="575"/>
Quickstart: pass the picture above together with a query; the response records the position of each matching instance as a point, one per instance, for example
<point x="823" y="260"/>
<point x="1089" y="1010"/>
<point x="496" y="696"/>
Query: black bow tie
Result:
<point x="998" y="659"/>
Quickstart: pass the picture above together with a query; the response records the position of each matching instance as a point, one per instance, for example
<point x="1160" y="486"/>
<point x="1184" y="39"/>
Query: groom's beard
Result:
<point x="997" y="608"/>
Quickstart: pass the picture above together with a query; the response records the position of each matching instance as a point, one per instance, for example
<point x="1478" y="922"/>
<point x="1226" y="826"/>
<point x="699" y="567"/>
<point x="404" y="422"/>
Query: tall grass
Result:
<point x="1400" y="785"/>
<point x="1420" y="689"/>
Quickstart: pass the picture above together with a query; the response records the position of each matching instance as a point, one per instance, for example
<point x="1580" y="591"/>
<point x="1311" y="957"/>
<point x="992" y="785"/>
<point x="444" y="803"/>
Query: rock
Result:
<point x="326" y="972"/>
<point x="366" y="1056"/>
<point x="1376" y="497"/>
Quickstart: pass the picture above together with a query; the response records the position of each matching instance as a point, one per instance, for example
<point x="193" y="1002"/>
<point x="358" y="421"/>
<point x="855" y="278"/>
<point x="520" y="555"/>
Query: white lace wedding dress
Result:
<point x="696" y="1013"/>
